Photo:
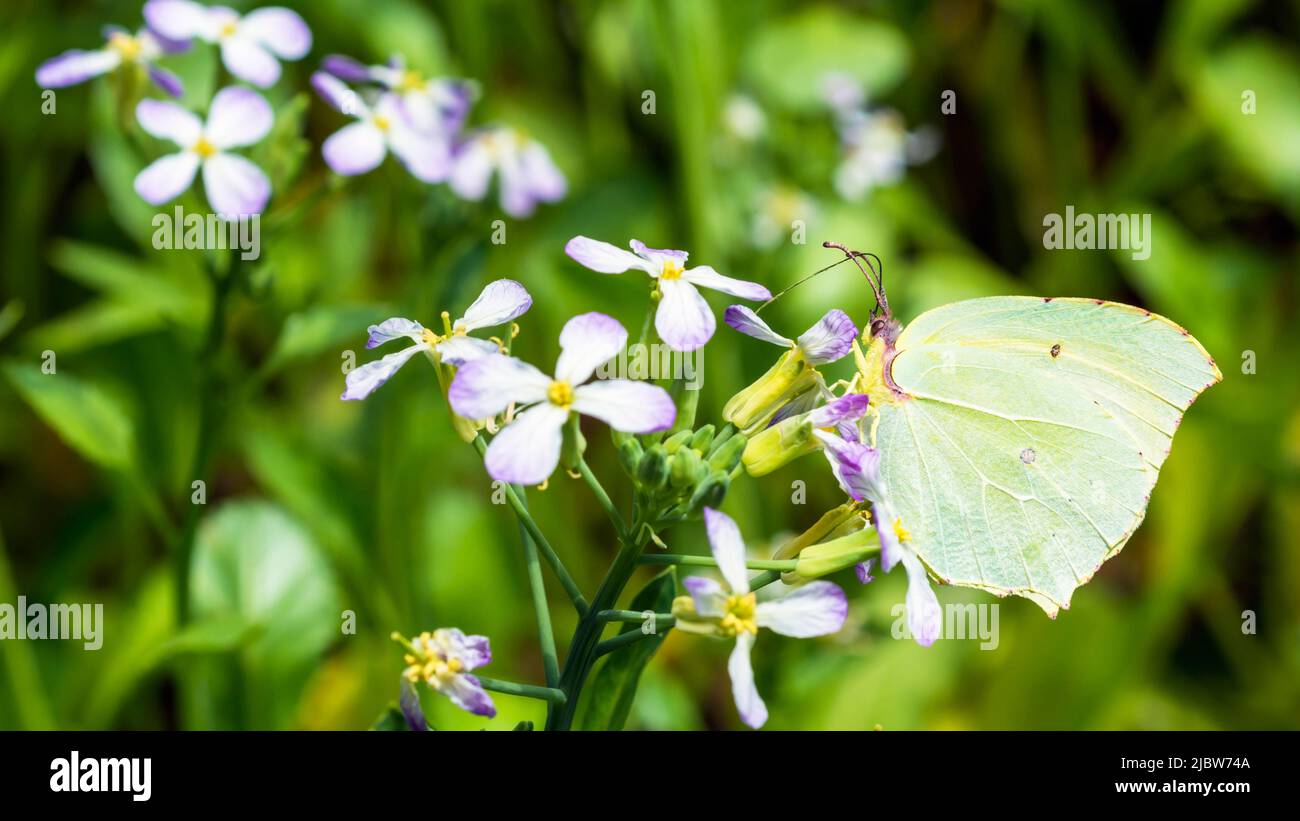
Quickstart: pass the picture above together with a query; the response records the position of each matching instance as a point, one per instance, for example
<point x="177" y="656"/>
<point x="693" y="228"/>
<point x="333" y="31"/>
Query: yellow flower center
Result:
<point x="560" y="393"/>
<point x="739" y="616"/>
<point x="428" y="337"/>
<point x="671" y="270"/>
<point x="381" y="122"/>
<point x="900" y="532"/>
<point x="429" y="664"/>
<point x="227" y="29"/>
<point x="204" y="148"/>
<point x="125" y="45"/>
<point x="411" y="81"/>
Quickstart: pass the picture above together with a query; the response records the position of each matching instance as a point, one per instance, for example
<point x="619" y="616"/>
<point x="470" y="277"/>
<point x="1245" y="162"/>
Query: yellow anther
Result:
<point x="411" y="81"/>
<point x="560" y="393"/>
<point x="228" y="29"/>
<point x="428" y="337"/>
<point x="672" y="270"/>
<point x="739" y="616"/>
<point x="204" y="148"/>
<point x="900" y="532"/>
<point x="125" y="45"/>
<point x="381" y="122"/>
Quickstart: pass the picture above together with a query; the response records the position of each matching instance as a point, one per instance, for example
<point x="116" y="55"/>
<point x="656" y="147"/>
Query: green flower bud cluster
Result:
<point x="687" y="471"/>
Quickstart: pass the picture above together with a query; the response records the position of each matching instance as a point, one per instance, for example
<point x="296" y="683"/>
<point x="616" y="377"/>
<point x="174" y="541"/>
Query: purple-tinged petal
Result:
<point x="487" y="386"/>
<point x="235" y="186"/>
<point x="706" y="277"/>
<point x="471" y="651"/>
<point x="748" y="323"/>
<point x="178" y="19"/>
<point x="924" y="615"/>
<point x="166" y="177"/>
<point x="167" y="81"/>
<point x="543" y="178"/>
<point x="394" y="328"/>
<point x="461" y="349"/>
<point x="355" y="149"/>
<point x="471" y="169"/>
<point x="466" y="693"/>
<point x="169" y="121"/>
<point x="683" y="319"/>
<point x="707" y="595"/>
<point x="364" y="380"/>
<point x="238" y="117"/>
<point x="602" y="257"/>
<point x="280" y="30"/>
<point x="863" y="572"/>
<point x="527" y="450"/>
<point x="816" y="609"/>
<point x="587" y="341"/>
<point x="249" y="61"/>
<point x="625" y="405"/>
<point x="500" y="302"/>
<point x="427" y="158"/>
<point x="891" y="550"/>
<point x="165" y="45"/>
<point x="336" y="93"/>
<point x="658" y="256"/>
<point x="728" y="548"/>
<point x="851" y="406"/>
<point x="409" y="701"/>
<point x="830" y="339"/>
<point x="748" y="702"/>
<point x="345" y="68"/>
<point x="76" y="66"/>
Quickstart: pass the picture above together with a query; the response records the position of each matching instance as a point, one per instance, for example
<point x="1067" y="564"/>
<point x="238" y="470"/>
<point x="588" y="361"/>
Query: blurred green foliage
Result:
<point x="315" y="506"/>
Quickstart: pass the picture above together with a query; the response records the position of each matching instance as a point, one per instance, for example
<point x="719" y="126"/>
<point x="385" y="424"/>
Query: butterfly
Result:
<point x="1021" y="437"/>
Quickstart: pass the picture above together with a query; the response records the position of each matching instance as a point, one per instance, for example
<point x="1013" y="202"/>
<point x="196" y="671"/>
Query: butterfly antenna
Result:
<point x="877" y="282"/>
<point x="790" y="288"/>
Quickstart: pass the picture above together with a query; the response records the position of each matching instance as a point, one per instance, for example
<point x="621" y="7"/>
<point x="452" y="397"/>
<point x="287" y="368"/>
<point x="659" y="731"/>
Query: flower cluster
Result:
<point x="443" y="660"/>
<point x="877" y="145"/>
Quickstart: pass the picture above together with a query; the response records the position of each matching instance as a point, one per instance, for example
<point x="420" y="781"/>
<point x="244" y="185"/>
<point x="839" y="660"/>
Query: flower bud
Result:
<point x="826" y="558"/>
<point x="573" y="445"/>
<point x="687" y="468"/>
<point x="681" y="437"/>
<point x="727" y="456"/>
<point x="779" y="445"/>
<point x="652" y="473"/>
<point x="703" y="439"/>
<point x="709" y="493"/>
<point x="629" y="456"/>
<point x="755" y="405"/>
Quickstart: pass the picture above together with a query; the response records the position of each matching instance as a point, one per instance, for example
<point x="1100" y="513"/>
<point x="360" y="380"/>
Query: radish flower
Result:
<point x="500" y="302"/>
<point x="362" y="146"/>
<point x="442" y="659"/>
<point x="683" y="319"/>
<point x="525" y="172"/>
<point x="433" y="105"/>
<point x="829" y="340"/>
<point x="121" y="48"/>
<point x="732" y="611"/>
<point x="252" y="45"/>
<point x="235" y="187"/>
<point x="527" y="450"/>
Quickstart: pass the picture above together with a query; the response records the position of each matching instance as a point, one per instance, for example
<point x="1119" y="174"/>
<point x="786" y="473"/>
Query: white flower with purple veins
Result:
<point x="857" y="467"/>
<point x="814" y="609"/>
<point x="500" y="302"/>
<point x="527" y="450"/>
<point x="235" y="187"/>
<point x="433" y="105"/>
<point x="251" y="45"/>
<point x="121" y="48"/>
<point x="526" y="174"/>
<point x="362" y="146"/>
<point x="442" y="659"/>
<point x="829" y="340"/>
<point x="683" y="319"/>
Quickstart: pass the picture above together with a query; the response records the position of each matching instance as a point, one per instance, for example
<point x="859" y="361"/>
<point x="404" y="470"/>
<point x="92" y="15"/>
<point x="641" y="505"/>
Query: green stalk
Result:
<point x="603" y="498"/>
<point x="708" y="561"/>
<point x="547" y="694"/>
<point x="545" y="634"/>
<point x="621" y="640"/>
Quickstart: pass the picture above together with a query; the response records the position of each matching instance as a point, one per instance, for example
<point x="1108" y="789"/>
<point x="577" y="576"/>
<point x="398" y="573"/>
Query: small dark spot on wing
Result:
<point x="1056" y="350"/>
<point x="1027" y="456"/>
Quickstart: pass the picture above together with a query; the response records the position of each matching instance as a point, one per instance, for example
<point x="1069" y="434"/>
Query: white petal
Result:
<point x="748" y="702"/>
<point x="603" y="257"/>
<point x="461" y="349"/>
<point x="527" y="450"/>
<point x="355" y="149"/>
<point x="166" y="177"/>
<point x="249" y="61"/>
<point x="656" y="257"/>
<point x="830" y="339"/>
<point x="394" y="328"/>
<point x="238" y="116"/>
<point x="706" y="277"/>
<point x="587" y="341"/>
<point x="684" y="320"/>
<point x="366" y="379"/>
<point x="76" y="66"/>
<point x="169" y="121"/>
<point x="428" y="158"/>
<point x="748" y="323"/>
<point x="631" y="407"/>
<point x="484" y="387"/>
<point x="471" y="170"/>
<point x="280" y="30"/>
<point x="234" y="185"/>
<point x="709" y="598"/>
<point x="501" y="301"/>
<point x="341" y="98"/>
<point x="816" y="609"/>
<point x="728" y="548"/>
<point x="924" y="615"/>
<point x="177" y="19"/>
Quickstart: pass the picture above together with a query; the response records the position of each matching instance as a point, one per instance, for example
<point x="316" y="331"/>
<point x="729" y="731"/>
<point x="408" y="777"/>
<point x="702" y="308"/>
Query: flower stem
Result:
<point x="545" y="635"/>
<point x="548" y="694"/>
<point x="621" y="640"/>
<point x="636" y="617"/>
<point x="603" y="497"/>
<point x="708" y="561"/>
<point x="526" y="519"/>
<point x="764" y="579"/>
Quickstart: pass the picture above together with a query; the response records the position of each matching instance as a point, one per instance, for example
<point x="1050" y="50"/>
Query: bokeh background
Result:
<point x="316" y="506"/>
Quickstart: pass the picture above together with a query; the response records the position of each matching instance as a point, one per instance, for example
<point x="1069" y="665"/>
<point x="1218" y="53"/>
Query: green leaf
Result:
<point x="391" y="720"/>
<point x="613" y="686"/>
<point x="82" y="414"/>
<point x="308" y="333"/>
<point x="790" y="57"/>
